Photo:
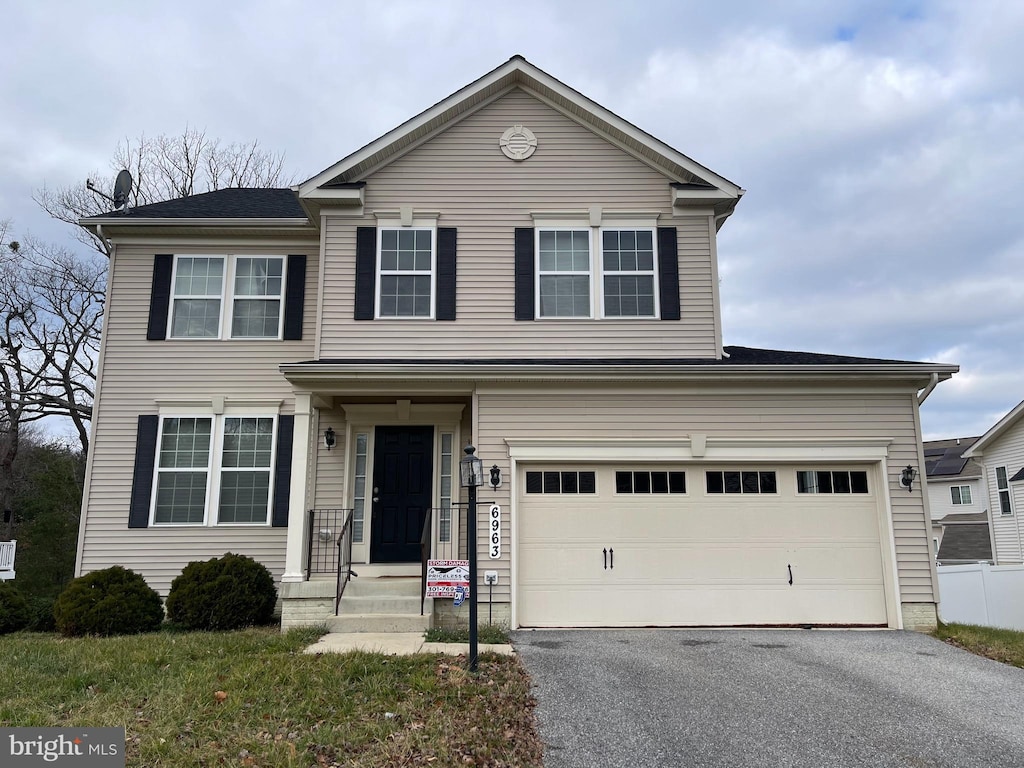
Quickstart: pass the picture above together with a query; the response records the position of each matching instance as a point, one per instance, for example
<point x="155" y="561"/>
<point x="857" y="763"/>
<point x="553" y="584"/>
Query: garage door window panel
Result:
<point x="741" y="482"/>
<point x="561" y="482"/>
<point x="831" y="481"/>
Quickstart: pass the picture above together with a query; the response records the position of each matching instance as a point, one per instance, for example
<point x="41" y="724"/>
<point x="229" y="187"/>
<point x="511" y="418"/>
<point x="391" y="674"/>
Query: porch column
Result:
<point x="296" y="544"/>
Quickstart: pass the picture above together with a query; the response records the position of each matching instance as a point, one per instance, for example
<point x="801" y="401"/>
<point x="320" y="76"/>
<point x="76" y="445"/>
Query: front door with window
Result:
<point x="402" y="488"/>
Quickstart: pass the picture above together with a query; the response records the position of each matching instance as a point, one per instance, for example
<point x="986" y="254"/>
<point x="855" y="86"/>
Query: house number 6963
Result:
<point x="495" y="532"/>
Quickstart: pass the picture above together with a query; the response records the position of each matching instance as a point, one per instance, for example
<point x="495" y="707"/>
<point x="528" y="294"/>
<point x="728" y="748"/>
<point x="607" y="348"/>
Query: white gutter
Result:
<point x="364" y="369"/>
<point x="932" y="384"/>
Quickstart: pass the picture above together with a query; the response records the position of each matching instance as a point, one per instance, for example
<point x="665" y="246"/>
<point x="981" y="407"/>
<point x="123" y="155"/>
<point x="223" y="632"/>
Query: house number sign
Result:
<point x="495" y="532"/>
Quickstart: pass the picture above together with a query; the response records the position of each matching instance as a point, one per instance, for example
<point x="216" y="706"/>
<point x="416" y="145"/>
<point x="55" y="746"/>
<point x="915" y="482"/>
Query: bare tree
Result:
<point x="51" y="312"/>
<point x="164" y="168"/>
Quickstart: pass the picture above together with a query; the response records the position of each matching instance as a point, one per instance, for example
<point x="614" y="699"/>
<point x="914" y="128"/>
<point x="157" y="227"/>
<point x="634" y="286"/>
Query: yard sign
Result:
<point x="444" y="577"/>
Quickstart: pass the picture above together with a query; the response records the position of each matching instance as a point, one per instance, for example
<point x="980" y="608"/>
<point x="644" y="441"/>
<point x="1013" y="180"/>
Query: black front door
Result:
<point x="402" y="471"/>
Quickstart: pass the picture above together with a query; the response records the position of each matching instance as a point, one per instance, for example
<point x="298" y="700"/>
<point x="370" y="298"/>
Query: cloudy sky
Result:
<point x="880" y="143"/>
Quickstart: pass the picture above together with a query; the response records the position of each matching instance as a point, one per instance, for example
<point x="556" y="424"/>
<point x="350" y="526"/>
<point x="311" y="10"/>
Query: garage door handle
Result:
<point x="604" y="552"/>
<point x="611" y="553"/>
<point x="790" y="569"/>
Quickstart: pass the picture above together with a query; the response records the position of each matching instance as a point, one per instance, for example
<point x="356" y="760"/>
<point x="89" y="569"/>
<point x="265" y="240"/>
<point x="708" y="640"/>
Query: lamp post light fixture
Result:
<point x="907" y="478"/>
<point x="471" y="473"/>
<point x="329" y="438"/>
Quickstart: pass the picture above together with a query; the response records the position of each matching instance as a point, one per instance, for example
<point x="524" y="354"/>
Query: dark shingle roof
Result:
<point x="943" y="458"/>
<point x="234" y="203"/>
<point x="966" y="543"/>
<point x="1018" y="476"/>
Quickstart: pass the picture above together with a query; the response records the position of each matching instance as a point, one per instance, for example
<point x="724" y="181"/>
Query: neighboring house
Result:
<point x="519" y="267"/>
<point x="956" y="497"/>
<point x="1001" y="454"/>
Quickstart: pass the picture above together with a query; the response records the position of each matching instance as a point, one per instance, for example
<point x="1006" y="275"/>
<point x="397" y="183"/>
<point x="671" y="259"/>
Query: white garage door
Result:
<point x="604" y="545"/>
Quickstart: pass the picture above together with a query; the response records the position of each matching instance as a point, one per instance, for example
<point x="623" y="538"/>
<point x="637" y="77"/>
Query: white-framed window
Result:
<point x="229" y="296"/>
<point x="563" y="273"/>
<point x="362" y="440"/>
<point x="629" y="285"/>
<point x="618" y="279"/>
<point x="406" y="271"/>
<point x="444" y="522"/>
<point x="1003" y="491"/>
<point x="214" y="470"/>
<point x="960" y="494"/>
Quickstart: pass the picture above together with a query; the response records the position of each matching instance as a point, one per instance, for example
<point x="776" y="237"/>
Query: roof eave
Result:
<point x="605" y="372"/>
<point x="997" y="429"/>
<point x="194" y="221"/>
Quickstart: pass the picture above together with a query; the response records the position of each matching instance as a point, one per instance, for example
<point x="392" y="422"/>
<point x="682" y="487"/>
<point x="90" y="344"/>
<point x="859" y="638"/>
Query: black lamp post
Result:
<point x="471" y="472"/>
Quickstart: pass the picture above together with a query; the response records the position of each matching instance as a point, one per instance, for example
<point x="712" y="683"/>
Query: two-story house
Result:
<point x="518" y="267"/>
<point x="1001" y="454"/>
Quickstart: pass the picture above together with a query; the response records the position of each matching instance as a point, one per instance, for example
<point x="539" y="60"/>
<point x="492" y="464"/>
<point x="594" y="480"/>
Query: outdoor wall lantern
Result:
<point x="495" y="476"/>
<point x="471" y="472"/>
<point x="329" y="439"/>
<point x="907" y="478"/>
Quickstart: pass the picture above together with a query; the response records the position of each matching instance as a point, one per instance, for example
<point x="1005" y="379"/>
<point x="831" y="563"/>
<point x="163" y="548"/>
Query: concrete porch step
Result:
<point x="379" y="622"/>
<point x="379" y="603"/>
<point x="368" y="586"/>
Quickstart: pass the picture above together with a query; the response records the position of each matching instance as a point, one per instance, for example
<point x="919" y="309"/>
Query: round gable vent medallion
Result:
<point x="518" y="142"/>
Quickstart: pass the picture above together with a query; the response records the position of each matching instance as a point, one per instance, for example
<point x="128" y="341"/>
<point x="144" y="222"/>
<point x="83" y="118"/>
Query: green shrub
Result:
<point x="41" y="614"/>
<point x="113" y="601"/>
<point x="14" y="612"/>
<point x="226" y="592"/>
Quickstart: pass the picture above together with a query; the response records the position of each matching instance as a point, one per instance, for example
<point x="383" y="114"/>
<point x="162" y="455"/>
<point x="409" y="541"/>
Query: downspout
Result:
<point x="932" y="384"/>
<point x="718" y="310"/>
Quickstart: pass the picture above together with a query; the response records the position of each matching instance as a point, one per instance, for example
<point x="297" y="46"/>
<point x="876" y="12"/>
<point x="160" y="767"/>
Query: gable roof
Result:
<point x="997" y="430"/>
<point x="943" y="459"/>
<point x="518" y="72"/>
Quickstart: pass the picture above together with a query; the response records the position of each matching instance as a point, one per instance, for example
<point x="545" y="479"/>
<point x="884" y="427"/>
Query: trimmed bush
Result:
<point x="113" y="601"/>
<point x="41" y="614"/>
<point x="14" y="612"/>
<point x="226" y="592"/>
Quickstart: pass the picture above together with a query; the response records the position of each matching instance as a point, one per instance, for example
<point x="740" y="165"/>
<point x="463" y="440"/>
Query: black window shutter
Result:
<point x="524" y="266"/>
<point x="283" y="471"/>
<point x="668" y="272"/>
<point x="160" y="297"/>
<point x="446" y="241"/>
<point x="366" y="271"/>
<point x="294" y="295"/>
<point x="142" y="478"/>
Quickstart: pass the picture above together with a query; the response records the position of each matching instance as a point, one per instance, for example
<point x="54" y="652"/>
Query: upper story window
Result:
<point x="960" y="494"/>
<point x="627" y="259"/>
<point x="1003" y="490"/>
<point x="238" y="297"/>
<point x="406" y="272"/>
<point x="619" y="281"/>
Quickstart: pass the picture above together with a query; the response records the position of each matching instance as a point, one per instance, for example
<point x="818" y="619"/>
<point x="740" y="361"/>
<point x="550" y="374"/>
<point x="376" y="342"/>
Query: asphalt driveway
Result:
<point x="770" y="698"/>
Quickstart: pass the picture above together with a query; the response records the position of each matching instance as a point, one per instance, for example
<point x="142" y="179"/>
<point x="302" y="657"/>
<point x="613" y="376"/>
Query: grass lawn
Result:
<point x="252" y="698"/>
<point x="1005" y="645"/>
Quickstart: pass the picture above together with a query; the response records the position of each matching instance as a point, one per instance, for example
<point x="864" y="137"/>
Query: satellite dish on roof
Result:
<point x="122" y="190"/>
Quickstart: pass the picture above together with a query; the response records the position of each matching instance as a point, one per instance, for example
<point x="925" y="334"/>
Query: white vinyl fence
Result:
<point x="988" y="595"/>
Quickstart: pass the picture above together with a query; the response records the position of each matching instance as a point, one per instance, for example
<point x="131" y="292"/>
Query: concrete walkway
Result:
<point x="395" y="644"/>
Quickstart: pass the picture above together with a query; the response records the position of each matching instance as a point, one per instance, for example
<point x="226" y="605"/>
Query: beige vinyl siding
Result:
<point x="136" y="373"/>
<point x="463" y="175"/>
<point x="1008" y="530"/>
<point x="592" y="412"/>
